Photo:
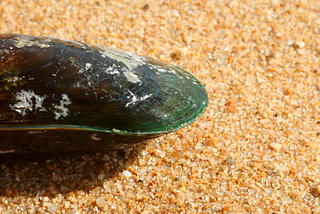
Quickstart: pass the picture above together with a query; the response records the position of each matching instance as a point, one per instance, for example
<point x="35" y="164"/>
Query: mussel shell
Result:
<point x="38" y="145"/>
<point x="48" y="84"/>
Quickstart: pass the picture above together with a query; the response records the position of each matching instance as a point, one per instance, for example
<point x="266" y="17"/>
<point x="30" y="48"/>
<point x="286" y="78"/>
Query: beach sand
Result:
<point x="255" y="149"/>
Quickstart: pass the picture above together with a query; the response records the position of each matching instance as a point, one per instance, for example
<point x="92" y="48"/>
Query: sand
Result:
<point x="256" y="148"/>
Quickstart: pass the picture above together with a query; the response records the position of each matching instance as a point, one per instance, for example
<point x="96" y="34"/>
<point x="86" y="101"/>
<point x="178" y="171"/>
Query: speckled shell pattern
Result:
<point x="48" y="84"/>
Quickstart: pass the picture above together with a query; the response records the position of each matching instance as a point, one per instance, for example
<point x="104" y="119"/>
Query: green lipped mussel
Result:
<point x="62" y="97"/>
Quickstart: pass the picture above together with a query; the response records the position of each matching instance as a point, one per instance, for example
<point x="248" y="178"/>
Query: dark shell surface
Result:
<point x="60" y="97"/>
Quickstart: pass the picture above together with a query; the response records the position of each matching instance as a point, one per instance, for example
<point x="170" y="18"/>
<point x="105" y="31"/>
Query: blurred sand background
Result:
<point x="256" y="148"/>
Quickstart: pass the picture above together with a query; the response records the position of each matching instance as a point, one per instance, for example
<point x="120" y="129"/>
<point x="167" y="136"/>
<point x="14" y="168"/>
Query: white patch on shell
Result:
<point x="131" y="77"/>
<point x="25" y="41"/>
<point x="4" y="51"/>
<point x="131" y="60"/>
<point x="135" y="99"/>
<point x="87" y="67"/>
<point x="62" y="110"/>
<point x="162" y="70"/>
<point x="28" y="101"/>
<point x="112" y="70"/>
<point x="13" y="81"/>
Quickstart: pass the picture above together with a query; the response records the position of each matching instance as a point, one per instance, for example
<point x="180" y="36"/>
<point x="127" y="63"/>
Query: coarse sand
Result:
<point x="255" y="149"/>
